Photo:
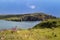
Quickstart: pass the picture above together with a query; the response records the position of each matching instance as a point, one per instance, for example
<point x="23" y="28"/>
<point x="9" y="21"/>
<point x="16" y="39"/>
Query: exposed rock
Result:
<point x="28" y="17"/>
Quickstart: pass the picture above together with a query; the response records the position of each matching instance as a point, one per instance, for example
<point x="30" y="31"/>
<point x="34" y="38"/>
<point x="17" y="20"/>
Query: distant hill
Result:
<point x="27" y="17"/>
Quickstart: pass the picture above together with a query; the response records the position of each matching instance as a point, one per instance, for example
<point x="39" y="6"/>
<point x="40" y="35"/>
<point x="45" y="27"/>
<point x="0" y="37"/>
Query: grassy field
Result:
<point x="33" y="34"/>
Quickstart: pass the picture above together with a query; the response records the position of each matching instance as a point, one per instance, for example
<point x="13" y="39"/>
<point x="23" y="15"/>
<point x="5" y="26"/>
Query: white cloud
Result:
<point x="32" y="6"/>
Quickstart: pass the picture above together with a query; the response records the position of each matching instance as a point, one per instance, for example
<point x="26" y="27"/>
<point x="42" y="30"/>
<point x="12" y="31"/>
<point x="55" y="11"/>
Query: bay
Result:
<point x="23" y="25"/>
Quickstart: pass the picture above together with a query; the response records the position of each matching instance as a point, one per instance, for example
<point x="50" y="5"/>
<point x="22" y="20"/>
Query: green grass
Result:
<point x="33" y="34"/>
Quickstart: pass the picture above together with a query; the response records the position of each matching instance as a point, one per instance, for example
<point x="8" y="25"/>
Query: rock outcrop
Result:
<point x="28" y="17"/>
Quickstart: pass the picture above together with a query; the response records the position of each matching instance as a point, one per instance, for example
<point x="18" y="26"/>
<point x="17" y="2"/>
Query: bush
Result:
<point x="48" y="24"/>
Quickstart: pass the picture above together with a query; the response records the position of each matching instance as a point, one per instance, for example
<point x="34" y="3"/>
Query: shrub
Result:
<point x="47" y="24"/>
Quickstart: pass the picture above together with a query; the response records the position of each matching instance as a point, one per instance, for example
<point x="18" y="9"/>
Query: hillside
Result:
<point x="50" y="23"/>
<point x="33" y="34"/>
<point x="27" y="17"/>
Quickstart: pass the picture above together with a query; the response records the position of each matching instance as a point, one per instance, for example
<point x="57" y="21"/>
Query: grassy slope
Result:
<point x="38" y="26"/>
<point x="33" y="34"/>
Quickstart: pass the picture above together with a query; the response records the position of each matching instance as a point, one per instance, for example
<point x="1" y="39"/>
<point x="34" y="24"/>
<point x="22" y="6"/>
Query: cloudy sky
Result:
<point x="27" y="6"/>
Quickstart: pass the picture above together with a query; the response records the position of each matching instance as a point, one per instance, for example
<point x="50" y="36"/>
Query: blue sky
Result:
<point x="51" y="7"/>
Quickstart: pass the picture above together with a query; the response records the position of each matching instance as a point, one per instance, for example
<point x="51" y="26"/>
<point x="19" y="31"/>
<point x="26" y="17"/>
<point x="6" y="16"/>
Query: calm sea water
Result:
<point x="11" y="24"/>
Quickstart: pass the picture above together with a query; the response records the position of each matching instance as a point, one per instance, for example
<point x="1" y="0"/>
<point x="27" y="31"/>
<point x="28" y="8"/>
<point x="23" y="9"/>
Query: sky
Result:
<point x="51" y="7"/>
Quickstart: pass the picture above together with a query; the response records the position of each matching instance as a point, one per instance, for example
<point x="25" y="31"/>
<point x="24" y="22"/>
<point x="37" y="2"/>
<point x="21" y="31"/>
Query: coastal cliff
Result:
<point x="28" y="17"/>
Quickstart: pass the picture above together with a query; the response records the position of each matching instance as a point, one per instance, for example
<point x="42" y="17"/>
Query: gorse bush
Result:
<point x="47" y="24"/>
